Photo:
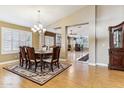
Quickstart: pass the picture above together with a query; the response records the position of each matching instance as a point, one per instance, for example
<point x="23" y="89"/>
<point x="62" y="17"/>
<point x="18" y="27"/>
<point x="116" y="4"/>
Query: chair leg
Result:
<point x="51" y="67"/>
<point x="26" y="64"/>
<point x="22" y="63"/>
<point x="41" y="67"/>
<point x="29" y="65"/>
<point x="58" y="64"/>
<point x="35" y="66"/>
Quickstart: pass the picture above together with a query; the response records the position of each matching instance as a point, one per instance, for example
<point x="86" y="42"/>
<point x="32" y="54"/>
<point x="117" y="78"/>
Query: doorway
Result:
<point x="78" y="43"/>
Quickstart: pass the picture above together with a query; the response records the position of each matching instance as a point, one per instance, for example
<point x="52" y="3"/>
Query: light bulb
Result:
<point x="36" y="27"/>
<point x="39" y="31"/>
<point x="33" y="29"/>
<point x="44" y="30"/>
<point x="40" y="26"/>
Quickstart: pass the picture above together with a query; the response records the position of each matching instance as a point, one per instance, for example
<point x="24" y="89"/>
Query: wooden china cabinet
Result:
<point x="116" y="44"/>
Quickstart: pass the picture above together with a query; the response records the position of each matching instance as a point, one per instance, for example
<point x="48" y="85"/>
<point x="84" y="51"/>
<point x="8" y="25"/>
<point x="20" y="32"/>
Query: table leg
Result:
<point x="41" y="62"/>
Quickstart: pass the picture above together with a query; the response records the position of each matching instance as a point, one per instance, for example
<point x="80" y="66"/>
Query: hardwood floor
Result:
<point x="78" y="75"/>
<point x="73" y="56"/>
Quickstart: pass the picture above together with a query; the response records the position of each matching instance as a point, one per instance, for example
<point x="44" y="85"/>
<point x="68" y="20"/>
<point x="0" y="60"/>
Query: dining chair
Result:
<point x="33" y="58"/>
<point x="54" y="59"/>
<point x="23" y="57"/>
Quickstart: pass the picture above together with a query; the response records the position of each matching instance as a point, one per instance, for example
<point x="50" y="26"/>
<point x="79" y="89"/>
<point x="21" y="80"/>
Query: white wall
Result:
<point x="106" y="16"/>
<point x="84" y="15"/>
<point x="99" y="18"/>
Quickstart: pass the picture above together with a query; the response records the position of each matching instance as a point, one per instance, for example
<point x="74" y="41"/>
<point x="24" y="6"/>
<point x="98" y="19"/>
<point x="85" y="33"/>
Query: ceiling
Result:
<point x="26" y="15"/>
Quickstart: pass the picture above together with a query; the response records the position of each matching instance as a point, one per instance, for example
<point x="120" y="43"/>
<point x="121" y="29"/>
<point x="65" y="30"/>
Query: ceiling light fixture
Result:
<point x="38" y="27"/>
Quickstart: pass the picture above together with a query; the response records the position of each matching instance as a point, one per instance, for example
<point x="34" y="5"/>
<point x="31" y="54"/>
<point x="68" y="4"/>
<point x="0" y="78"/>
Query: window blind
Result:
<point x="11" y="39"/>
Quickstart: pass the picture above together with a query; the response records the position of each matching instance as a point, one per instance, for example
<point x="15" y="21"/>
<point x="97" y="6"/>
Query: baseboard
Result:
<point x="93" y="64"/>
<point x="98" y="64"/>
<point x="7" y="62"/>
<point x="102" y="64"/>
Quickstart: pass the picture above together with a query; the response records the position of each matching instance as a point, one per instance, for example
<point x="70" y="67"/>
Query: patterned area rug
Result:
<point x="38" y="76"/>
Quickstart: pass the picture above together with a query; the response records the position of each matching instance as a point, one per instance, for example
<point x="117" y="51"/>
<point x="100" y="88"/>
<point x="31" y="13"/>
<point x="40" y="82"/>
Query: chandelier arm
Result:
<point x="39" y="17"/>
<point x="38" y="27"/>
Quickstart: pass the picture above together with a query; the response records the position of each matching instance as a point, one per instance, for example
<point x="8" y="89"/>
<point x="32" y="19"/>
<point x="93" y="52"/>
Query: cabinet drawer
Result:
<point x="116" y="60"/>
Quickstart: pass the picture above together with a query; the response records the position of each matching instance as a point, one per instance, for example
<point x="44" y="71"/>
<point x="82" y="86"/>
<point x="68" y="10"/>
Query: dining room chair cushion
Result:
<point x="24" y="59"/>
<point x="51" y="49"/>
<point x="37" y="60"/>
<point x="49" y="60"/>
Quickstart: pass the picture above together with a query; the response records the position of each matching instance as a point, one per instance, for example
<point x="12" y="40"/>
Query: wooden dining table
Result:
<point x="43" y="53"/>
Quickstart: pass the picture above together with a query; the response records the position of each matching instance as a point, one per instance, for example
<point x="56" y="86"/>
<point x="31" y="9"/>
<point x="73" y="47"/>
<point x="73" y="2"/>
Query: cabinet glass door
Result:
<point x="118" y="38"/>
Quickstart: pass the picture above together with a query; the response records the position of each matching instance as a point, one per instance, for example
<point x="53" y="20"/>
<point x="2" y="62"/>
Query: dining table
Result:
<point x="41" y="54"/>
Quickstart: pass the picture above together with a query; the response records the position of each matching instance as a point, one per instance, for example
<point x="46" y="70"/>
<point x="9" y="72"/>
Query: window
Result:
<point x="7" y="41"/>
<point x="83" y="41"/>
<point x="15" y="40"/>
<point x="58" y="39"/>
<point x="49" y="41"/>
<point x="58" y="36"/>
<point x="12" y="39"/>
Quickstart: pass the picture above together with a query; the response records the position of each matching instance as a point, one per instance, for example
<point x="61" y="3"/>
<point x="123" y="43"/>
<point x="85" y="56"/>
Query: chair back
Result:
<point x="23" y="53"/>
<point x="56" y="53"/>
<point x="31" y="53"/>
<point x="25" y="47"/>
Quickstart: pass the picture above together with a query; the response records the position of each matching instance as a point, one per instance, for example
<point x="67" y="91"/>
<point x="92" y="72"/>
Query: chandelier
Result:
<point x="38" y="27"/>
